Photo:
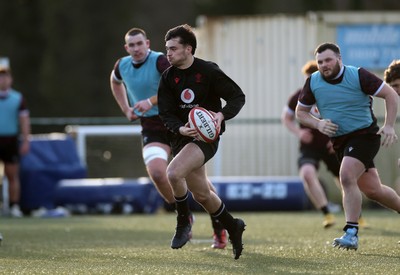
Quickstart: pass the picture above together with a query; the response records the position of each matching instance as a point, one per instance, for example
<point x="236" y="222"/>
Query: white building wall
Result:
<point x="264" y="55"/>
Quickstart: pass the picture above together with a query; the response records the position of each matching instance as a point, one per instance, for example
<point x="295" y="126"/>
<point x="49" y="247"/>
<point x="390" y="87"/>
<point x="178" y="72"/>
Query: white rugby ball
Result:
<point x="201" y="120"/>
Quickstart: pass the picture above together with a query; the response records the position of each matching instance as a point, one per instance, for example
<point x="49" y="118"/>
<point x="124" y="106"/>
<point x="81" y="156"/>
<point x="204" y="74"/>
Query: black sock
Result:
<point x="182" y="205"/>
<point x="216" y="224"/>
<point x="325" y="210"/>
<point x="351" y="225"/>
<point x="182" y="208"/>
<point x="169" y="207"/>
<point x="225" y="218"/>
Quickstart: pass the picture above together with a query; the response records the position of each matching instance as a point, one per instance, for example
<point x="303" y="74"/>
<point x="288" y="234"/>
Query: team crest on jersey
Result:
<point x="187" y="96"/>
<point x="198" y="77"/>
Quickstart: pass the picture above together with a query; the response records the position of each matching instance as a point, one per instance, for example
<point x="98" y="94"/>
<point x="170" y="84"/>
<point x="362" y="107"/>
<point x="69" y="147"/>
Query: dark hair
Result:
<point x="327" y="46"/>
<point x="310" y="67"/>
<point x="136" y="31"/>
<point x="393" y="71"/>
<point x="185" y="34"/>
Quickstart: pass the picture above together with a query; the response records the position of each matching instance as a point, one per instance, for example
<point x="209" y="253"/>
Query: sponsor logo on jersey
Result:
<point x="187" y="96"/>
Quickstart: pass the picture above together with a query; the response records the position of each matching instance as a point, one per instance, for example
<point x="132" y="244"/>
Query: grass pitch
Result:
<point x="274" y="243"/>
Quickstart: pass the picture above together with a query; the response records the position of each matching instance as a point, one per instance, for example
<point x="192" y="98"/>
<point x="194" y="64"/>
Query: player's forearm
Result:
<point x="153" y="100"/>
<point x="120" y="96"/>
<point x="305" y="118"/>
<point x="25" y="127"/>
<point x="391" y="103"/>
<point x="290" y="123"/>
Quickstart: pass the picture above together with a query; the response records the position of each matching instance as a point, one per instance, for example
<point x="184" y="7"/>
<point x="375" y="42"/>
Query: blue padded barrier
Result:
<point x="274" y="193"/>
<point x="95" y="194"/>
<point x="51" y="158"/>
<point x="238" y="194"/>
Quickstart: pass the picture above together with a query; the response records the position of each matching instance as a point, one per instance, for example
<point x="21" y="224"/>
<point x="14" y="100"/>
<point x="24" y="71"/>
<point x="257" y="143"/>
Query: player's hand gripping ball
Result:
<point x="202" y="120"/>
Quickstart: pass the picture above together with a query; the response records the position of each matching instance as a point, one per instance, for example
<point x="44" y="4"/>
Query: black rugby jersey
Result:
<point x="203" y="84"/>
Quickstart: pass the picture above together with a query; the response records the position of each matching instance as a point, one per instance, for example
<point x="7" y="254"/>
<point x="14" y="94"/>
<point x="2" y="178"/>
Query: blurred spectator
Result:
<point x="392" y="77"/>
<point x="14" y="120"/>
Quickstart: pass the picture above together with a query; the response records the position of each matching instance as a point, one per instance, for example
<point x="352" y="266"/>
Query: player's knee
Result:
<point x="308" y="173"/>
<point x="346" y="179"/>
<point x="173" y="175"/>
<point x="308" y="177"/>
<point x="158" y="176"/>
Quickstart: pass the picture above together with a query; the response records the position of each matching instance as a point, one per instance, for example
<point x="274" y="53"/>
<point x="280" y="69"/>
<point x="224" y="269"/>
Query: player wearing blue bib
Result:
<point x="134" y="84"/>
<point x="14" y="122"/>
<point x="343" y="95"/>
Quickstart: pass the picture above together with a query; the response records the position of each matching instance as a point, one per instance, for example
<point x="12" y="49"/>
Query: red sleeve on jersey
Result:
<point x="116" y="70"/>
<point x="23" y="106"/>
<point x="162" y="63"/>
<point x="306" y="96"/>
<point x="369" y="82"/>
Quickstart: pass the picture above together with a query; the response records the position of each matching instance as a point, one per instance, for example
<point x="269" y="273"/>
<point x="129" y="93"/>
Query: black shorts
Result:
<point x="9" y="149"/>
<point x="363" y="147"/>
<point x="208" y="149"/>
<point x="314" y="156"/>
<point x="153" y="130"/>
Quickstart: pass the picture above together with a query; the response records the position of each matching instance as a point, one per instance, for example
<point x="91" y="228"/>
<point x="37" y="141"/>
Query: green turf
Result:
<point x="275" y="243"/>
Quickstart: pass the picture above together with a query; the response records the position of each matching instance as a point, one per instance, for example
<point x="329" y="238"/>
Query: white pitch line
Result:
<point x="197" y="241"/>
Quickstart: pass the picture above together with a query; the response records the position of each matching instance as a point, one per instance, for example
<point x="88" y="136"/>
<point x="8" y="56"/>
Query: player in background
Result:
<point x="344" y="97"/>
<point x="392" y="77"/>
<point x="134" y="83"/>
<point x="14" y="135"/>
<point x="188" y="83"/>
<point x="314" y="147"/>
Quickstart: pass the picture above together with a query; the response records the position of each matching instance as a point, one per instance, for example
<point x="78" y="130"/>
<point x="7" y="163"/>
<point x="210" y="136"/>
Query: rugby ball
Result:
<point x="202" y="120"/>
